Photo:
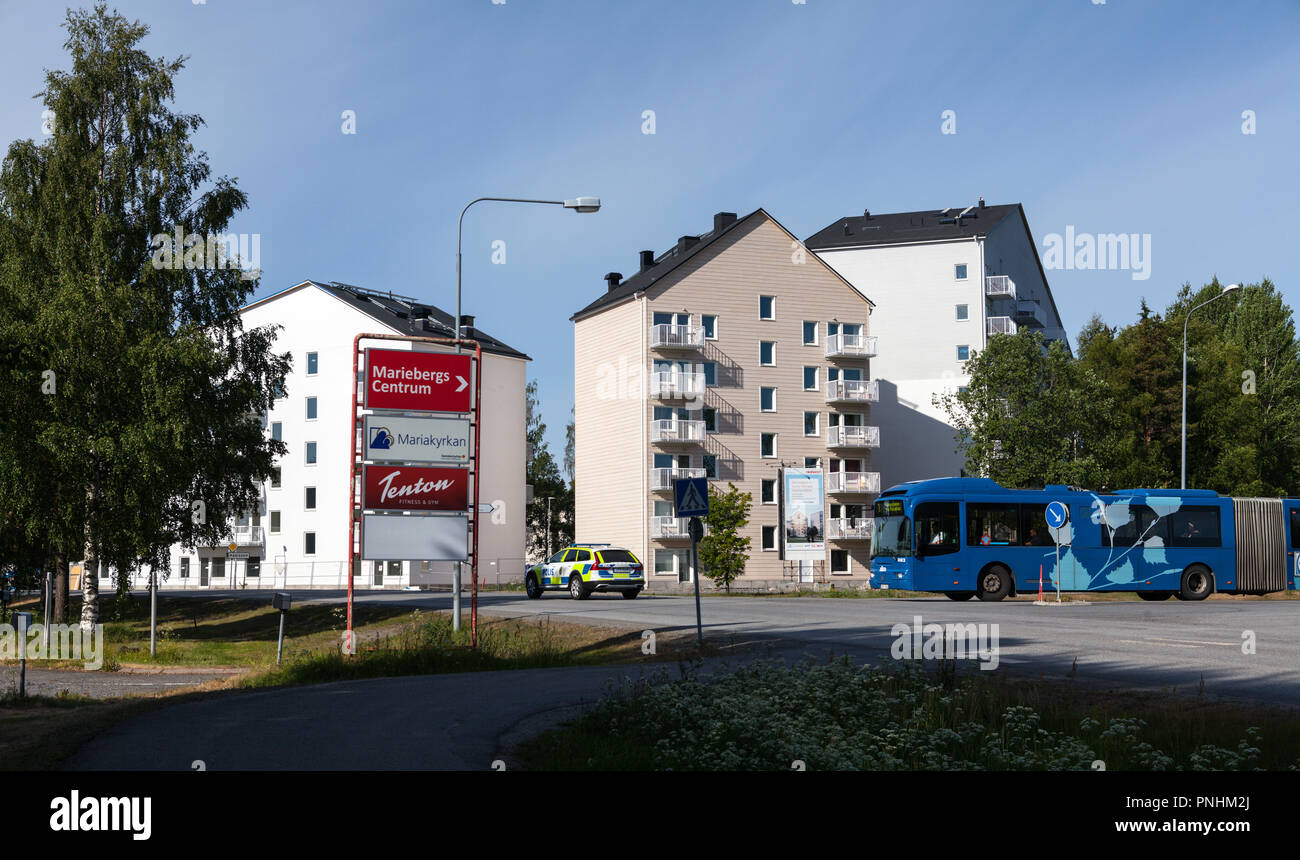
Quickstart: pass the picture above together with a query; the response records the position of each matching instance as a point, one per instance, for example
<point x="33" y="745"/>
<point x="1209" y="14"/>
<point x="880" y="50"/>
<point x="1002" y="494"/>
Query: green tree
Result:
<point x="1031" y="415"/>
<point x="547" y="481"/>
<point x="133" y="393"/>
<point x="724" y="551"/>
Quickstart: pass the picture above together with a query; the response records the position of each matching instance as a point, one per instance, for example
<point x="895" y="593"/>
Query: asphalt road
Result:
<point x="466" y="721"/>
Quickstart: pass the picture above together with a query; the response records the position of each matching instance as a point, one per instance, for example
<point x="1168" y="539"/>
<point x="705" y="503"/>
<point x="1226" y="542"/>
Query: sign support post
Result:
<point x="691" y="499"/>
<point x="697" y="529"/>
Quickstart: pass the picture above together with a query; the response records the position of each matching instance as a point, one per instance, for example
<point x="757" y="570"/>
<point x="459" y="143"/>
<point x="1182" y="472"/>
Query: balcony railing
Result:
<point x="243" y="536"/>
<point x="853" y="482"/>
<point x="850" y="346"/>
<point x="1002" y="325"/>
<point x="853" y="391"/>
<point x="676" y="384"/>
<point x="852" y="437"/>
<point x="667" y="528"/>
<point x="999" y="286"/>
<point x="664" y="336"/>
<point x="850" y="528"/>
<point x="676" y="431"/>
<point x="1029" y="313"/>
<point x="662" y="479"/>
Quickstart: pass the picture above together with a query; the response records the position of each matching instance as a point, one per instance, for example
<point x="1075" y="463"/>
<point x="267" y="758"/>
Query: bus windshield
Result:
<point x="893" y="531"/>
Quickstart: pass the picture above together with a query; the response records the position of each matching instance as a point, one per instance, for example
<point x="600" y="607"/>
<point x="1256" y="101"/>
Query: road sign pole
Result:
<point x="696" y="527"/>
<point x="153" y="613"/>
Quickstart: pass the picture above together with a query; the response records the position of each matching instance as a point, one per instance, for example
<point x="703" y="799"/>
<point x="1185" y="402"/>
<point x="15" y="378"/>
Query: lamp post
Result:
<point x="578" y="204"/>
<point x="1228" y="289"/>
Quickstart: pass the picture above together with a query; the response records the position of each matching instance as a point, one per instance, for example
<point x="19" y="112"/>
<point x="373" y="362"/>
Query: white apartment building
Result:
<point x="734" y="355"/>
<point x="297" y="537"/>
<point x="944" y="282"/>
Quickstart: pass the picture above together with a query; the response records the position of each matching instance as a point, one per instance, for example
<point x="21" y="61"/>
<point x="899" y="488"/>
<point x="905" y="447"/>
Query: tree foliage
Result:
<point x="132" y="391"/>
<point x="723" y="550"/>
<point x="1112" y="416"/>
<point x="547" y="481"/>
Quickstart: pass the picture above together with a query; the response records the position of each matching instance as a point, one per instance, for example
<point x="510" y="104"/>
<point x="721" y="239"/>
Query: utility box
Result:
<point x="280" y="600"/>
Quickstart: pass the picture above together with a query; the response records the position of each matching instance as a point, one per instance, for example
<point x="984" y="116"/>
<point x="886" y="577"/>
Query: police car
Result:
<point x="586" y="567"/>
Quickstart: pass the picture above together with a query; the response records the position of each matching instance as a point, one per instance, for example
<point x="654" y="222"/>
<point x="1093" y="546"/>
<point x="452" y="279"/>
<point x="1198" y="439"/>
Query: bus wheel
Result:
<point x="959" y="595"/>
<point x="1155" y="595"/>
<point x="1198" y="582"/>
<point x="995" y="583"/>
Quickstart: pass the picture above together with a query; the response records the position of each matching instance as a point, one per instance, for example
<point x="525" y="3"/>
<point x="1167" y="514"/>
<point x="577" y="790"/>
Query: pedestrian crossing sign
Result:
<point x="691" y="496"/>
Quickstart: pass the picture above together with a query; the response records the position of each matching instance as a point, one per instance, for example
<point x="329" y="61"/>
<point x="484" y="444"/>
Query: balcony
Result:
<point x="850" y="528"/>
<point x="1030" y="313"/>
<point x="850" y="346"/>
<point x="675" y="432"/>
<point x="675" y="337"/>
<point x="853" y="391"/>
<point x="852" y="437"/>
<point x="243" y="536"/>
<point x="676" y="384"/>
<point x="670" y="528"/>
<point x="662" y="479"/>
<point x="999" y="287"/>
<point x="844" y="483"/>
<point x="1002" y="325"/>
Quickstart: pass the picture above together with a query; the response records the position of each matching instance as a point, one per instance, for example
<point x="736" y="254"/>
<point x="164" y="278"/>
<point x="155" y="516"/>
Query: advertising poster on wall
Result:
<point x="804" y="509"/>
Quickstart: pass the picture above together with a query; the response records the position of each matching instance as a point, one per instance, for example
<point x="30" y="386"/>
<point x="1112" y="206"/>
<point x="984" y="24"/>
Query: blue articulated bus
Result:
<point x="971" y="537"/>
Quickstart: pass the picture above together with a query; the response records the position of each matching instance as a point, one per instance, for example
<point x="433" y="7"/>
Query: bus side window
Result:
<point x="992" y="525"/>
<point x="1295" y="528"/>
<point x="1143" y="526"/>
<point x="1034" y="525"/>
<point x="936" y="528"/>
<point x="1196" y="526"/>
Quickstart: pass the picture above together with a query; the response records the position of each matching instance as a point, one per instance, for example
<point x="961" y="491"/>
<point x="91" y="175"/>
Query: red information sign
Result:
<point x="415" y="488"/>
<point x="418" y="381"/>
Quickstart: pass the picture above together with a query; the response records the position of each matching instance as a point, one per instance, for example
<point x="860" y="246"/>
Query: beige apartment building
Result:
<point x="734" y="355"/>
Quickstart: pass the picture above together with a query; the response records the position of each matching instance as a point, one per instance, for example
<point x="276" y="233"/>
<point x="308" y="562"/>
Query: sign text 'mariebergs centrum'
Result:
<point x="418" y="381"/>
<point x="415" y="488"/>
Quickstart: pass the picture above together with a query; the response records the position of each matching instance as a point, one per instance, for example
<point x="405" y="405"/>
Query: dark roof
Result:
<point x="410" y="316"/>
<point x="663" y="265"/>
<point x="929" y="225"/>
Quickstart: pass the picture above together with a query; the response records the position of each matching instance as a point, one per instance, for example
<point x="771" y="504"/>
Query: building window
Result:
<point x="710" y="369"/>
<point x="769" y="491"/>
<point x="769" y="538"/>
<point x="767" y="399"/>
<point x="665" y="562"/>
<point x="961" y="271"/>
<point x="839" y="561"/>
<point x="811" y="422"/>
<point x="767" y="353"/>
<point x="277" y="389"/>
<point x="185" y="567"/>
<point x="710" y="417"/>
<point x="309" y="500"/>
<point x="809" y="333"/>
<point x="767" y="444"/>
<point x="275" y="478"/>
<point x="313" y="365"/>
<point x="810" y="379"/>
<point x="275" y="522"/>
<point x="961" y="389"/>
<point x="311" y="453"/>
<point x="311" y="408"/>
<point x="963" y="352"/>
<point x="963" y="312"/>
<point x="218" y="567"/>
<point x="710" y="465"/>
<point x="812" y="462"/>
<point x="710" y="325"/>
<point x="277" y="431"/>
<point x="308" y="543"/>
<point x="767" y="307"/>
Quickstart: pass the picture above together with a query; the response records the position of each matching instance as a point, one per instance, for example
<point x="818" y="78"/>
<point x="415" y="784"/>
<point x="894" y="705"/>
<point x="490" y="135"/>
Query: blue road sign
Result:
<point x="1057" y="514"/>
<point x="691" y="496"/>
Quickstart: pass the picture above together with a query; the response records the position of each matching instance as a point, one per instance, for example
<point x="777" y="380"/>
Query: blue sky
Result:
<point x="1110" y="117"/>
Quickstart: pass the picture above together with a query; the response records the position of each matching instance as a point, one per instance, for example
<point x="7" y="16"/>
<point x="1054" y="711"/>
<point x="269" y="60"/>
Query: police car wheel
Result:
<point x="631" y="595"/>
<point x="995" y="583"/>
<point x="532" y="587"/>
<point x="576" y="589"/>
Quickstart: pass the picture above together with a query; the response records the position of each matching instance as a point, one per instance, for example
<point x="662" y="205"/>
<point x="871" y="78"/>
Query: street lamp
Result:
<point x="578" y="204"/>
<point x="1228" y="289"/>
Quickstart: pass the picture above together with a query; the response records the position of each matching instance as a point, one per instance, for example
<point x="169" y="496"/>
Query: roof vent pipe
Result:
<point x="614" y="278"/>
<point x="647" y="259"/>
